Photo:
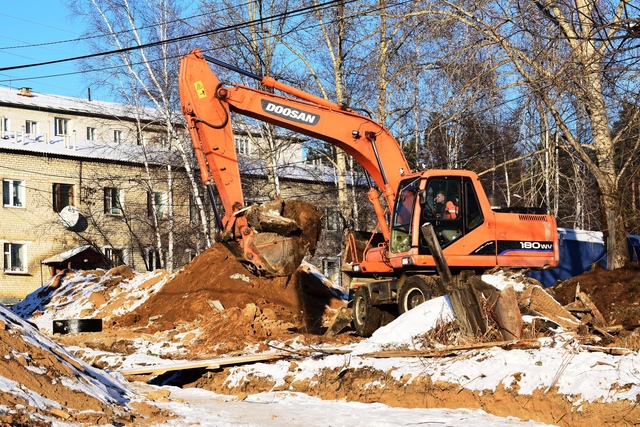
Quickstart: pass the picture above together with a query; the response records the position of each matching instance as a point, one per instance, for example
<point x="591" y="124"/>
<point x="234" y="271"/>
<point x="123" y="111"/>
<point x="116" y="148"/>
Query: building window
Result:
<point x="190" y="254"/>
<point x="61" y="126"/>
<point x="117" y="136"/>
<point x="193" y="208"/>
<point x="91" y="134"/>
<point x="62" y="196"/>
<point x="15" y="257"/>
<point x="114" y="255"/>
<point x="155" y="259"/>
<point x="31" y="128"/>
<point x="6" y="124"/>
<point x="243" y="146"/>
<point x="113" y="201"/>
<point x="159" y="201"/>
<point x="13" y="193"/>
<point x="330" y="219"/>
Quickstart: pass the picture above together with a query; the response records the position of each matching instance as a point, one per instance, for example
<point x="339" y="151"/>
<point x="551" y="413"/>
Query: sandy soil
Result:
<point x="233" y="309"/>
<point x="616" y="293"/>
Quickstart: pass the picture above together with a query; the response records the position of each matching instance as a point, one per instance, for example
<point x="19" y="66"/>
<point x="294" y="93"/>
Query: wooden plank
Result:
<point x="507" y="345"/>
<point x="598" y="319"/>
<point x="508" y="314"/>
<point x="199" y="364"/>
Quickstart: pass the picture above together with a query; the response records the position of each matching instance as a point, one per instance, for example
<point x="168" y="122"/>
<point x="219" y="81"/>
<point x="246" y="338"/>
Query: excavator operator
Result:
<point x="445" y="210"/>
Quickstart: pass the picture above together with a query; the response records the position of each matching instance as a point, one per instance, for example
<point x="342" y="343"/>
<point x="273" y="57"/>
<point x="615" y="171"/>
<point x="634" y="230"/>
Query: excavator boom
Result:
<point x="207" y="104"/>
<point x="267" y="243"/>
<point x="476" y="236"/>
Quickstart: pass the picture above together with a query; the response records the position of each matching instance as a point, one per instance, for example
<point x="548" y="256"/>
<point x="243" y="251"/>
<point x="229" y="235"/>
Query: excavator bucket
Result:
<point x="281" y="235"/>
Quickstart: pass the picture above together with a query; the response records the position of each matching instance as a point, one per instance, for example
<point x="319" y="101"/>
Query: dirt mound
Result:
<point x="41" y="382"/>
<point x="616" y="293"/>
<point x="253" y="308"/>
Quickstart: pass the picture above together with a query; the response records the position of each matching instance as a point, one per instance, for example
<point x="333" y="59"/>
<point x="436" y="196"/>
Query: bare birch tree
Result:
<point x="146" y="77"/>
<point x="585" y="54"/>
<point x="251" y="42"/>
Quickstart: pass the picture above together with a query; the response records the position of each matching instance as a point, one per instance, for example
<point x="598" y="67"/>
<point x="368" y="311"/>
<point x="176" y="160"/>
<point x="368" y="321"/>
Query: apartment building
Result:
<point x="88" y="184"/>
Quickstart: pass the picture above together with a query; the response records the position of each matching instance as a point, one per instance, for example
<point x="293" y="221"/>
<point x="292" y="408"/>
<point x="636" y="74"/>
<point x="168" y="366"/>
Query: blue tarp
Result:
<point x="579" y="249"/>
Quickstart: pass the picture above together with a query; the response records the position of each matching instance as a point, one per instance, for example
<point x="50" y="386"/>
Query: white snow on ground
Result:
<point x="581" y="375"/>
<point x="72" y="298"/>
<point x="561" y="362"/>
<point x="300" y="410"/>
<point x="403" y="332"/>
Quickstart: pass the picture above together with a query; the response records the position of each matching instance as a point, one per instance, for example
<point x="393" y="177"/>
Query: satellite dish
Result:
<point x="69" y="216"/>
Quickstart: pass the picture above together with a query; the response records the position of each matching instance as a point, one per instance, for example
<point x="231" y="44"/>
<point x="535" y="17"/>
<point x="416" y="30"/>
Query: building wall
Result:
<point x="13" y="121"/>
<point x="36" y="224"/>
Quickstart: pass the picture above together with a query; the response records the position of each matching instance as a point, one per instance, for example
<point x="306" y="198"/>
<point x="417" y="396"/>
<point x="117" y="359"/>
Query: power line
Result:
<point x="80" y="39"/>
<point x="97" y="70"/>
<point x="295" y="12"/>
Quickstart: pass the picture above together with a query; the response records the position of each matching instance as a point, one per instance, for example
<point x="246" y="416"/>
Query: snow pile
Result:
<point x="41" y="380"/>
<point x="406" y="330"/>
<point x="89" y="294"/>
<point x="501" y="279"/>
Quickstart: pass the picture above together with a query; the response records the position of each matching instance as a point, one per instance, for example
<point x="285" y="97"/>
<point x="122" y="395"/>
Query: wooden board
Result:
<point x="199" y="364"/>
<point x="528" y="344"/>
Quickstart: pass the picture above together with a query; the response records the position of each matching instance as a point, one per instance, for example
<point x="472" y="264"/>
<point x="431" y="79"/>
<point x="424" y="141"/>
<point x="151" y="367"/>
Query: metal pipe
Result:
<point x="232" y="67"/>
<point x="216" y="214"/>
<point x="372" y="139"/>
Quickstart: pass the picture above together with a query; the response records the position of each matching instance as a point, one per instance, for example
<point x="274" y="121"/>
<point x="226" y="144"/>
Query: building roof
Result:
<point x="64" y="256"/>
<point x="96" y="150"/>
<point x="81" y="106"/>
<point x="78" y="147"/>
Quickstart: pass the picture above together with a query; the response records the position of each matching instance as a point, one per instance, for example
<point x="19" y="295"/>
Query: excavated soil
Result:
<point x="615" y="293"/>
<point x="47" y="372"/>
<point x="219" y="307"/>
<point x="255" y="308"/>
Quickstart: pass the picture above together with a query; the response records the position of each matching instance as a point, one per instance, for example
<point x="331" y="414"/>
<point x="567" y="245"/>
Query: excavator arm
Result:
<point x="207" y="104"/>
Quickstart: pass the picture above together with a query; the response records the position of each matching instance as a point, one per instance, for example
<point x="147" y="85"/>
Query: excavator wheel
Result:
<point x="366" y="317"/>
<point x="416" y="290"/>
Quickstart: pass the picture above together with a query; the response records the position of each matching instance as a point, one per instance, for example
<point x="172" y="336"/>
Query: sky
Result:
<point x="34" y="22"/>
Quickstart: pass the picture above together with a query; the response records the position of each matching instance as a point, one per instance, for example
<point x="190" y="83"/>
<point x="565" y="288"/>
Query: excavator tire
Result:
<point x="416" y="290"/>
<point x="366" y="317"/>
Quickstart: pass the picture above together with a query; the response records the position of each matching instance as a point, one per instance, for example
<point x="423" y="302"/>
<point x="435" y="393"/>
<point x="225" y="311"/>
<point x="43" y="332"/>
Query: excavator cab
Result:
<point x="449" y="203"/>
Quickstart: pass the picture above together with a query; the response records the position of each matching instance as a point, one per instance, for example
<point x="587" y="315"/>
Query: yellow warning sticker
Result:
<point x="200" y="90"/>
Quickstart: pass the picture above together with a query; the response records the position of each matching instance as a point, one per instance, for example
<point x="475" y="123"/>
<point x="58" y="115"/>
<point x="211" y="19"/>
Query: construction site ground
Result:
<point x="215" y="309"/>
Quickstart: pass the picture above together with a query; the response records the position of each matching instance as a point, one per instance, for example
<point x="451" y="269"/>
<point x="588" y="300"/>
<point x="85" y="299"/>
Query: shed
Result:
<point x="84" y="257"/>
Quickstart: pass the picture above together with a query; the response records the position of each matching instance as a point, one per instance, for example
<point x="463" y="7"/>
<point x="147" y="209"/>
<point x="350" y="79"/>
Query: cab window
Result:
<point x="403" y="215"/>
<point x="441" y="206"/>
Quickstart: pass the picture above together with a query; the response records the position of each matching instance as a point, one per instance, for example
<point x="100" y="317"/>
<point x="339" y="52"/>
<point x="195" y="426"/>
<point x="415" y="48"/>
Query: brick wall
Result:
<point x="36" y="225"/>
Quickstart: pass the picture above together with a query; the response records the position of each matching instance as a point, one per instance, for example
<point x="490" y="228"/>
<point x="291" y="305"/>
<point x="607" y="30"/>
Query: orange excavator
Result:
<point x="394" y="270"/>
